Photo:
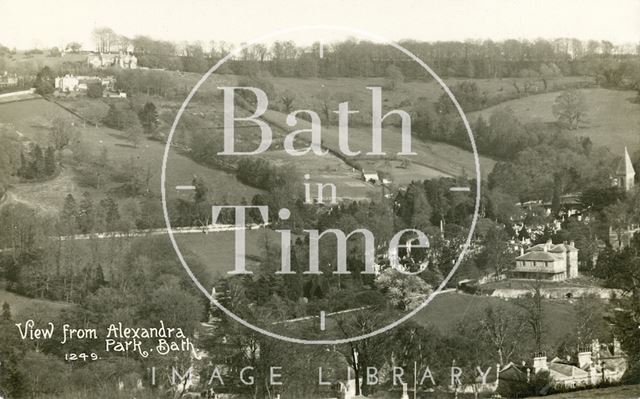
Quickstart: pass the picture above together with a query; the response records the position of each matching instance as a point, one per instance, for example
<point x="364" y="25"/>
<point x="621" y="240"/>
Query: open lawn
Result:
<point x="579" y="282"/>
<point x="613" y="116"/>
<point x="216" y="251"/>
<point x="448" y="309"/>
<point x="23" y="306"/>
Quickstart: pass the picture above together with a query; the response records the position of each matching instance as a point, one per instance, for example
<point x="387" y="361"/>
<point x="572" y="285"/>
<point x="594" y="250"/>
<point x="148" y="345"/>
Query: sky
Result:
<point x="27" y="24"/>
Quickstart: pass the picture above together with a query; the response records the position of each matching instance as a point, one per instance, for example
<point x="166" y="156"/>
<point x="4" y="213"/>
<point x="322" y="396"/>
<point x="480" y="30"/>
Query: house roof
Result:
<point x="555" y="248"/>
<point x="513" y="372"/>
<point x="537" y="256"/>
<point x="566" y="370"/>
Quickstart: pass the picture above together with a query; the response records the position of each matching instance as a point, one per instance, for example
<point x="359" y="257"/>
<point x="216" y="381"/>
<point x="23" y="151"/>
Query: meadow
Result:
<point x="432" y="159"/>
<point x="216" y="251"/>
<point x="613" y="116"/>
<point x="308" y="91"/>
<point x="27" y="307"/>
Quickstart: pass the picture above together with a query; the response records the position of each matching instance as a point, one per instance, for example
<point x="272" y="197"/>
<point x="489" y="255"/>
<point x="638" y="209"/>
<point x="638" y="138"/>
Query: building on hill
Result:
<point x="625" y="173"/>
<point x="8" y="80"/>
<point x="71" y="83"/>
<point x="548" y="261"/>
<point x="370" y="177"/>
<point x="106" y="60"/>
<point x="67" y="83"/>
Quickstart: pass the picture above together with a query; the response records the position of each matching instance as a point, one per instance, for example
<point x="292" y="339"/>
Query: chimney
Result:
<point x="572" y="243"/>
<point x="617" y="348"/>
<point x="584" y="359"/>
<point x="521" y="251"/>
<point x="595" y="348"/>
<point x="540" y="364"/>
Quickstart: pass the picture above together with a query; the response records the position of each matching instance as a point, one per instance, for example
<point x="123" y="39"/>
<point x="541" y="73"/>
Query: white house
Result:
<point x="67" y="83"/>
<point x="548" y="261"/>
<point x="105" y="60"/>
<point x="370" y="177"/>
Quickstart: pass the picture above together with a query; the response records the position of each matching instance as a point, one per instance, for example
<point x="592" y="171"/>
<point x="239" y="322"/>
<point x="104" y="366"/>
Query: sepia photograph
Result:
<point x="338" y="199"/>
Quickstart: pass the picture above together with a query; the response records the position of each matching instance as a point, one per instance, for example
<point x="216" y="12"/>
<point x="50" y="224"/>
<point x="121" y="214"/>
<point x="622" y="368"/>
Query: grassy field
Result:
<point x="582" y="281"/>
<point x="48" y="196"/>
<point x="622" y="392"/>
<point x="32" y="118"/>
<point x="37" y="61"/>
<point x="447" y="310"/>
<point x="613" y="117"/>
<point x="432" y="159"/>
<point x="307" y="91"/>
<point x="216" y="251"/>
<point x="326" y="169"/>
<point x="23" y="306"/>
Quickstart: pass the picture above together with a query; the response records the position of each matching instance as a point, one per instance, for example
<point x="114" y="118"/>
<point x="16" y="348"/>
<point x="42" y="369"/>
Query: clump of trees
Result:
<point x="62" y="133"/>
<point x="94" y="90"/>
<point x="570" y="108"/>
<point x="37" y="164"/>
<point x="259" y="173"/>
<point x="124" y="118"/>
<point x="149" y="118"/>
<point x="468" y="96"/>
<point x="44" y="82"/>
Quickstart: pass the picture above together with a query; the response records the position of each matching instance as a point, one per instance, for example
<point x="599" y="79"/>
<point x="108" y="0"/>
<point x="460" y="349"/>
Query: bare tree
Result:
<point x="104" y="38"/>
<point x="62" y="132"/>
<point x="534" y="313"/>
<point x="504" y="329"/>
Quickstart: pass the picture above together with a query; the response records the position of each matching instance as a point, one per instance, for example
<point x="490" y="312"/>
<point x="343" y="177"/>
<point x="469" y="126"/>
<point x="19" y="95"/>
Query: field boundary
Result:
<point x="71" y="111"/>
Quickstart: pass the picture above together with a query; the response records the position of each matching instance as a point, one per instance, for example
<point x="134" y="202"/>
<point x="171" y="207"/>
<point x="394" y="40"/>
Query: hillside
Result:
<point x="308" y="91"/>
<point x="32" y="119"/>
<point x="613" y="116"/>
<point x="433" y="159"/>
